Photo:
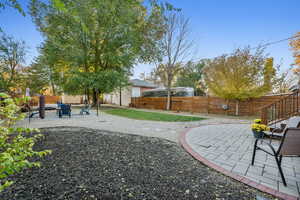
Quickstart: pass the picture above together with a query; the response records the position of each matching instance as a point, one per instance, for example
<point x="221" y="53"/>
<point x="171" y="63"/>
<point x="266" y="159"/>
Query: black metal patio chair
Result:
<point x="289" y="146"/>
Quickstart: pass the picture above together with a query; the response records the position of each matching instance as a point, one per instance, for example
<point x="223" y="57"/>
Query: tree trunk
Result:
<point x="53" y="89"/>
<point x="169" y="98"/>
<point x="94" y="97"/>
<point x="227" y="110"/>
<point x="88" y="95"/>
<point x="208" y="103"/>
<point x="97" y="101"/>
<point x="237" y="107"/>
<point x="85" y="97"/>
<point x="120" y="93"/>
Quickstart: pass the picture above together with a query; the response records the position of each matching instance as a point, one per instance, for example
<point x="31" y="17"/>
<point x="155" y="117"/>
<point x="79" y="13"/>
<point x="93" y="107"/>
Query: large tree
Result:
<point x="240" y="75"/>
<point x="97" y="39"/>
<point x="48" y="68"/>
<point x="295" y="44"/>
<point x="191" y="76"/>
<point x="284" y="82"/>
<point x="41" y="77"/>
<point x="12" y="58"/>
<point x="176" y="48"/>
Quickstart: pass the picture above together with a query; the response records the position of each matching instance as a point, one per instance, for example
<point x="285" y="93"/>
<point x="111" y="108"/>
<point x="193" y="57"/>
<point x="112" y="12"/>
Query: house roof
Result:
<point x="141" y="83"/>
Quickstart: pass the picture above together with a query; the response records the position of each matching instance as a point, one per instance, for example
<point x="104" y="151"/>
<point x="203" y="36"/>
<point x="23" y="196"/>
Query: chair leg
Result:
<point x="280" y="158"/>
<point x="278" y="161"/>
<point x="254" y="152"/>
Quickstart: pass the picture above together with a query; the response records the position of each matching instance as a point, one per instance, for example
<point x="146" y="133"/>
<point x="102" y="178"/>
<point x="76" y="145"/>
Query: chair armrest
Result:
<point x="276" y="130"/>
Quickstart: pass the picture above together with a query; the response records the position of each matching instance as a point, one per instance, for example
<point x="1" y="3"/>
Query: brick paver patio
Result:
<point x="230" y="146"/>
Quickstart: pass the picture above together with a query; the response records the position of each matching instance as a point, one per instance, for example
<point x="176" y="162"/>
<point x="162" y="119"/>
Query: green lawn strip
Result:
<point x="153" y="116"/>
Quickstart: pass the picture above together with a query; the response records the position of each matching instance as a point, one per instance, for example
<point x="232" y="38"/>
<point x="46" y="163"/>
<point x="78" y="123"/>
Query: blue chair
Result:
<point x="65" y="109"/>
<point x="85" y="109"/>
<point x="58" y="103"/>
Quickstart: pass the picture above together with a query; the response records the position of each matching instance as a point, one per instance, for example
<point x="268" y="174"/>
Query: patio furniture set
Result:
<point x="65" y="109"/>
<point x="61" y="110"/>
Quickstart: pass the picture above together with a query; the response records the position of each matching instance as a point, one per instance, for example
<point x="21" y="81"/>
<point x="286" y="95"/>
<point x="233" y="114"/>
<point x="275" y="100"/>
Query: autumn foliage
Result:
<point x="295" y="44"/>
<point x="240" y="75"/>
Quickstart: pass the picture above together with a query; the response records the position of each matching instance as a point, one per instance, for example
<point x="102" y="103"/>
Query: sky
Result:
<point x="217" y="27"/>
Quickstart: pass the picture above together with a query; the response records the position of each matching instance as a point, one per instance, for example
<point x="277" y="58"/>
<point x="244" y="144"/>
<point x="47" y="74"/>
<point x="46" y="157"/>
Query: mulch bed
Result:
<point x="95" y="164"/>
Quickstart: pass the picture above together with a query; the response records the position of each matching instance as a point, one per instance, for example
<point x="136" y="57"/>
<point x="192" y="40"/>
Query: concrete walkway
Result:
<point x="229" y="147"/>
<point x="166" y="130"/>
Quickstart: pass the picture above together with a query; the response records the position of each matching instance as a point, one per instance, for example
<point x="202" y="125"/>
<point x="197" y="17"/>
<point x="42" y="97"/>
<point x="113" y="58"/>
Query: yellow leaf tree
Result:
<point x="240" y="75"/>
<point x="295" y="44"/>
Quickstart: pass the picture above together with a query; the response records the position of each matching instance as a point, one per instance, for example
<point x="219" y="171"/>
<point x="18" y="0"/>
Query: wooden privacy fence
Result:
<point x="206" y="104"/>
<point x="48" y="100"/>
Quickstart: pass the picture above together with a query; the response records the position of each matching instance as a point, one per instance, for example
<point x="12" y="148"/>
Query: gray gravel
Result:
<point x="95" y="164"/>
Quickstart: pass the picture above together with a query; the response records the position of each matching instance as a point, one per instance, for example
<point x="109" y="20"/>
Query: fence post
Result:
<point x="263" y="116"/>
<point x="133" y="102"/>
<point x="208" y="104"/>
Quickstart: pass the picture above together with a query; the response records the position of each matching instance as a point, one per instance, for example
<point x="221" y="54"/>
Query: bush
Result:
<point x="15" y="142"/>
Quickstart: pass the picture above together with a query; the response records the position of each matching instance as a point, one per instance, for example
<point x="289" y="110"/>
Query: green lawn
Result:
<point x="153" y="116"/>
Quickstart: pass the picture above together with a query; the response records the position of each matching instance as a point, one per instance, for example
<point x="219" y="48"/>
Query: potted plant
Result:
<point x="258" y="128"/>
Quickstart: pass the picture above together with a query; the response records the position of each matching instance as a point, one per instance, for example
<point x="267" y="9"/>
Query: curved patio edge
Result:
<point x="239" y="178"/>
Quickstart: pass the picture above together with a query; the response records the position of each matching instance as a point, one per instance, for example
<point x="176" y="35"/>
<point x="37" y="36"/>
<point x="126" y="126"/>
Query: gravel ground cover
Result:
<point x="95" y="164"/>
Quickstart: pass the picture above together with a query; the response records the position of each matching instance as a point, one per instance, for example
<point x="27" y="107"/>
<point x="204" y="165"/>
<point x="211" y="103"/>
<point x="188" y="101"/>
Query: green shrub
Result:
<point x="15" y="142"/>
